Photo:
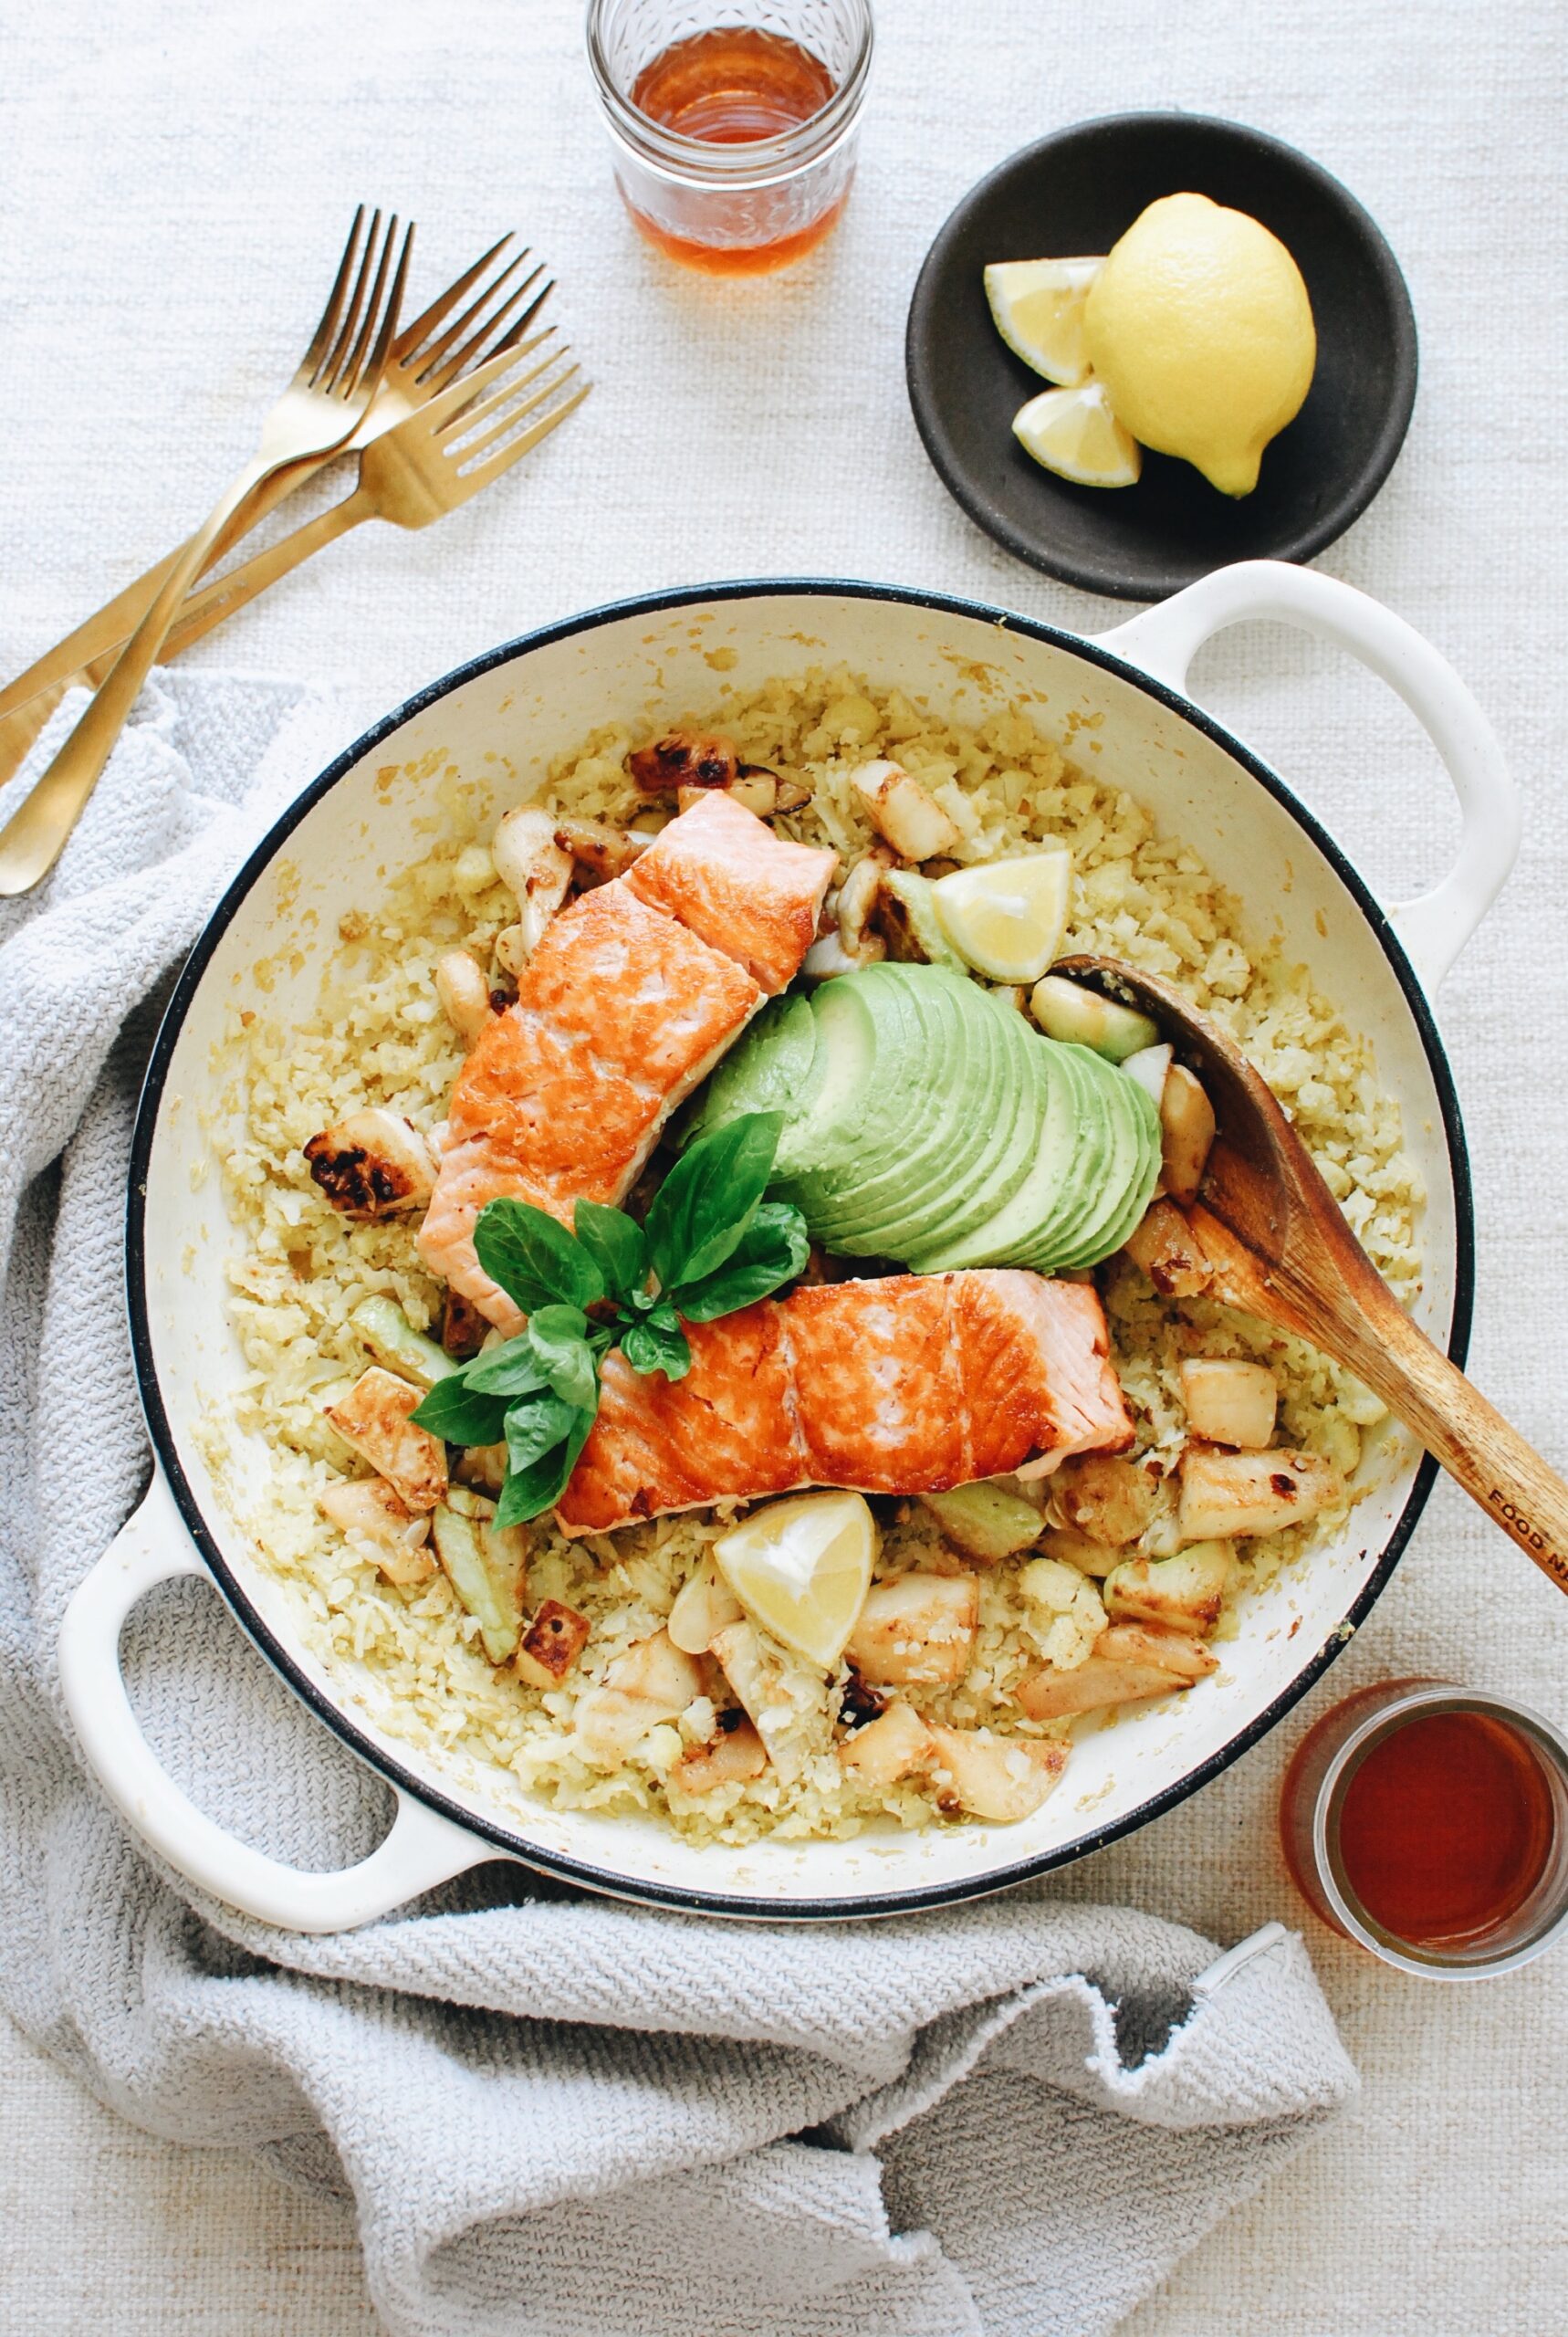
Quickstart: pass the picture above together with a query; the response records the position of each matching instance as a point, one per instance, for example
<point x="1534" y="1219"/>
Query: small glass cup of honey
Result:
<point x="733" y="126"/>
<point x="1429" y="1822"/>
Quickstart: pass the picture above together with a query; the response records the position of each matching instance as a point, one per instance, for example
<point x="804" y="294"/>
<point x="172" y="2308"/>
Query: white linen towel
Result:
<point x="556" y="2116"/>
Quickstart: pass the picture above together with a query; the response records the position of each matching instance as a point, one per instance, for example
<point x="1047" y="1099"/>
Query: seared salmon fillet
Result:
<point x="632" y="996"/>
<point x="729" y="1420"/>
<point x="911" y="1384"/>
<point x="878" y="1387"/>
<point x="620" y="1012"/>
<point x="726" y="875"/>
<point x="1033" y="1351"/>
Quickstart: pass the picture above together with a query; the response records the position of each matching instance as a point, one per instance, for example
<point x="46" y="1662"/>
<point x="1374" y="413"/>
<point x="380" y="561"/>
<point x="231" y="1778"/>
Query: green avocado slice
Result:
<point x="770" y="1069"/>
<point x="1013" y="1123"/>
<point x="1015" y="1232"/>
<point x="1134" y="1125"/>
<point x="931" y="1126"/>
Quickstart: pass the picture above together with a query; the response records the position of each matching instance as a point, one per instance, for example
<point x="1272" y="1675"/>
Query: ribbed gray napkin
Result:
<point x="555" y="2116"/>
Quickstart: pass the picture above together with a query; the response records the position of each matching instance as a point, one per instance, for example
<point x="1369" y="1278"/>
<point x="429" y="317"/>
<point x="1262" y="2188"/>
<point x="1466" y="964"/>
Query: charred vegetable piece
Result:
<point x="533" y="867"/>
<point x="1169" y="1252"/>
<point x="485" y="1568"/>
<point x="916" y="1630"/>
<point x="1227" y="1493"/>
<point x="1081" y="1018"/>
<point x="704" y="1604"/>
<point x="551" y="1644"/>
<point x="372" y="1164"/>
<point x="904" y="914"/>
<point x="369" y="1507"/>
<point x="374" y="1418"/>
<point x="996" y="1777"/>
<point x="1111" y="1501"/>
<point x="1129" y="1664"/>
<point x="887" y="1748"/>
<point x="393" y="1340"/>
<point x="1184" y="1592"/>
<point x="464" y="993"/>
<point x="463" y="1329"/>
<point x="1228" y="1402"/>
<point x="985" y="1522"/>
<point x="1186" y="1131"/>
<point x="735" y="1755"/>
<point x="685" y="759"/>
<point x="603" y="850"/>
<point x="900" y="809"/>
<point x="653" y="1682"/>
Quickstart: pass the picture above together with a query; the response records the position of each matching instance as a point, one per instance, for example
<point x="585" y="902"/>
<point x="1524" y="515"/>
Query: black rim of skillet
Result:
<point x="514" y="1845"/>
<point x="1159" y="564"/>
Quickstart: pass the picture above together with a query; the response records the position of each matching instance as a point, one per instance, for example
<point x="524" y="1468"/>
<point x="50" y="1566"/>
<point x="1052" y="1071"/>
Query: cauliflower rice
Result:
<point x="412" y="1657"/>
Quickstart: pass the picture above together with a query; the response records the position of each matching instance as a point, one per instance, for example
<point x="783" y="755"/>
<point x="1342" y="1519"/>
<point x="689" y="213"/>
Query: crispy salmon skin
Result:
<point x="913" y="1383"/>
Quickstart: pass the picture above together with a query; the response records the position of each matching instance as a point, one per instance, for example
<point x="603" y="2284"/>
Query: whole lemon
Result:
<point x="1200" y="328"/>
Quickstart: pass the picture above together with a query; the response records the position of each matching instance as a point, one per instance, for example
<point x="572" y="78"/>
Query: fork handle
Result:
<point x="34" y="837"/>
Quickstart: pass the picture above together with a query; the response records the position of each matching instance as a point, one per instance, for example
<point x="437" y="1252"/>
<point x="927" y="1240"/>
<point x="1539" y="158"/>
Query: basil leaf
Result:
<point x="555" y="1334"/>
<point x="614" y="1241"/>
<point x="705" y="1202"/>
<point x="509" y="1371"/>
<point x="539" y="1485"/>
<point x="534" y="1426"/>
<point x="772" y="1250"/>
<point x="656" y="1346"/>
<point x="535" y="1260"/>
<point x="460" y="1414"/>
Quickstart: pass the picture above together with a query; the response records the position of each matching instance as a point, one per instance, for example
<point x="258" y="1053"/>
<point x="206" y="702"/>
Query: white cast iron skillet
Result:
<point x="499" y="721"/>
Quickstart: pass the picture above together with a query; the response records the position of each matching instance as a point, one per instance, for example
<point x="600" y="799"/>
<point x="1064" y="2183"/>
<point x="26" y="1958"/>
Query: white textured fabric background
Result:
<point x="172" y="180"/>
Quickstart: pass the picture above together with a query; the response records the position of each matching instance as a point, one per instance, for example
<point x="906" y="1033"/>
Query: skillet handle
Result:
<point x="421" y="1848"/>
<point x="1165" y="640"/>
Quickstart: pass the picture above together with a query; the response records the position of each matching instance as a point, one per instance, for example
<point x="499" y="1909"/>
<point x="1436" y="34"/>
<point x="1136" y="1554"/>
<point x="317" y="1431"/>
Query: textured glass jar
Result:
<point x="1312" y="1800"/>
<point x="746" y="205"/>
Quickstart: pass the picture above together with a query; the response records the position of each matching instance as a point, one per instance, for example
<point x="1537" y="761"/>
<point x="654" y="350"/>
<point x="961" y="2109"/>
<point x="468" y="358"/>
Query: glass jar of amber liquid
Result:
<point x="734" y="127"/>
<point x="1429" y="1822"/>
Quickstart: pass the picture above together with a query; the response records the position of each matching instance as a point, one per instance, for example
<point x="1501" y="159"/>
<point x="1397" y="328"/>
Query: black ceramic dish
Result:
<point x="1078" y="192"/>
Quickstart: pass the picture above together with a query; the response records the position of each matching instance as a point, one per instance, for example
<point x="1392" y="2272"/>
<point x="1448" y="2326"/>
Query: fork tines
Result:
<point x="488" y="435"/>
<point x="354" y="336"/>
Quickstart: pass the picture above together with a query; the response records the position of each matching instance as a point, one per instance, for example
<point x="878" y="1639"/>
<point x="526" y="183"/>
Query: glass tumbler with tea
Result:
<point x="734" y="125"/>
<point x="1429" y="1822"/>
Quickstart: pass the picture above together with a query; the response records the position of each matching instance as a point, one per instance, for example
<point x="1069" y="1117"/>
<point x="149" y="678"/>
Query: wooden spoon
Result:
<point x="1280" y="1249"/>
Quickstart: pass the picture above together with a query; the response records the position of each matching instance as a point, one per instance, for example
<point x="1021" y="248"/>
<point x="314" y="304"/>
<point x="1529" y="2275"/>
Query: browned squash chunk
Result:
<point x="372" y="1164"/>
<point x="551" y="1644"/>
<point x="916" y="1630"/>
<point x="735" y="1755"/>
<point x="1108" y="1500"/>
<point x="1227" y="1493"/>
<point x="1129" y="1664"/>
<point x="1169" y="1251"/>
<point x="997" y="1777"/>
<point x="374" y="1418"/>
<point x="887" y="1748"/>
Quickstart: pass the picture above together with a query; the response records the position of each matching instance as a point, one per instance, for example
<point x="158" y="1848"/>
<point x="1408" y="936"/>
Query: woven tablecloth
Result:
<point x="172" y="177"/>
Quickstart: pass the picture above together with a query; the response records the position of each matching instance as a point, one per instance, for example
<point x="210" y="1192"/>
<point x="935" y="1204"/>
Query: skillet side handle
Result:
<point x="1165" y="640"/>
<point x="421" y="1848"/>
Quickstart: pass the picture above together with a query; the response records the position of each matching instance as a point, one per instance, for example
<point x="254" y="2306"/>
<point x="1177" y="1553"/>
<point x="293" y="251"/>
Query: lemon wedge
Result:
<point x="802" y="1568"/>
<point x="1200" y="328"/>
<point x="1074" y="433"/>
<point x="1007" y="917"/>
<point x="1038" y="308"/>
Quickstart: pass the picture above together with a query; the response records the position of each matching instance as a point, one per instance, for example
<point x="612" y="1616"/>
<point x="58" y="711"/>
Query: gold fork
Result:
<point x="318" y="412"/>
<point x="408" y="475"/>
<point x="423" y="361"/>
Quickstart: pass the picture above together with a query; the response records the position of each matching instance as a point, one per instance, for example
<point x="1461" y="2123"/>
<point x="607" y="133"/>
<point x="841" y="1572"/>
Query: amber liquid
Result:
<point x="729" y="89"/>
<point x="1446" y="1827"/>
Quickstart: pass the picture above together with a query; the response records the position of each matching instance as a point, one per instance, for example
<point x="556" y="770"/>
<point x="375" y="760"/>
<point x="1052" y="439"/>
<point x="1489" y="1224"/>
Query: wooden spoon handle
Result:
<point x="1455" y="1422"/>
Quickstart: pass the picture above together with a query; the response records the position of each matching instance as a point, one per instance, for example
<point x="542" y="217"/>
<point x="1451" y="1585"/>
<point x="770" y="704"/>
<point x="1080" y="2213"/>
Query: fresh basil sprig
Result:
<point x="711" y="1244"/>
